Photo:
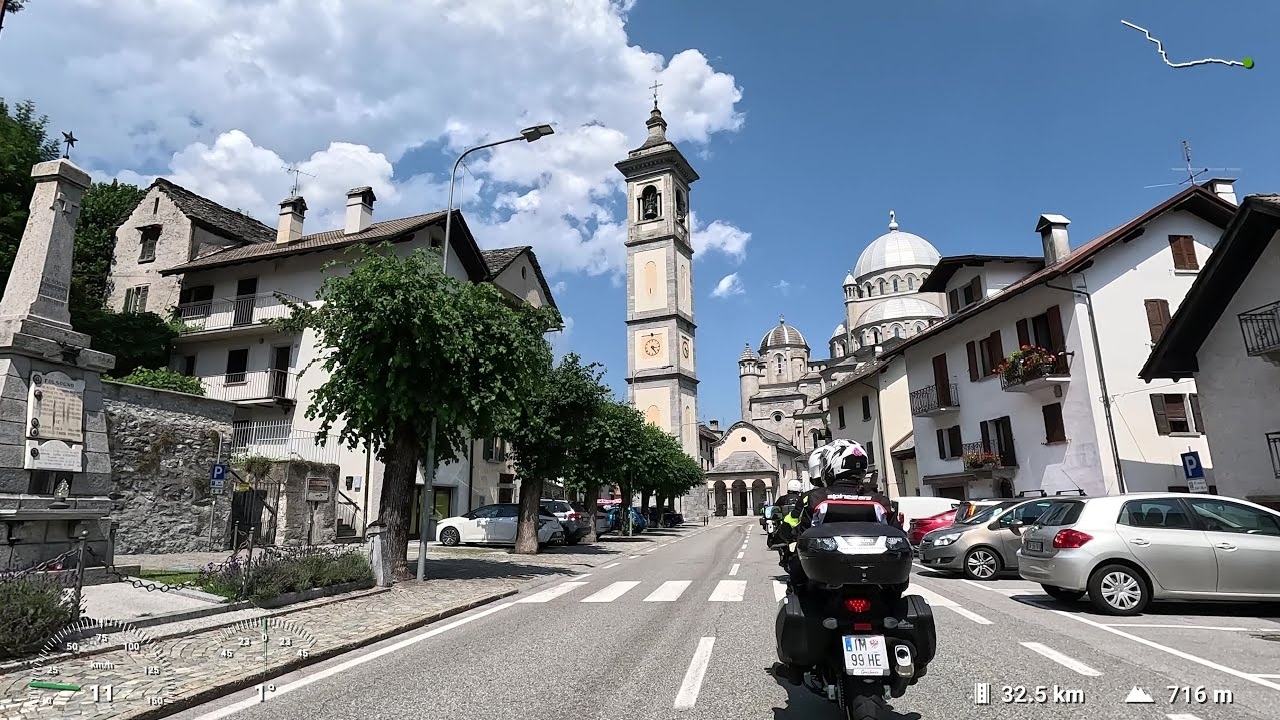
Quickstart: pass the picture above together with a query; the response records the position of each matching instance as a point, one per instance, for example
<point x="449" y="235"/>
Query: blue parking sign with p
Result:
<point x="1191" y="465"/>
<point x="218" y="472"/>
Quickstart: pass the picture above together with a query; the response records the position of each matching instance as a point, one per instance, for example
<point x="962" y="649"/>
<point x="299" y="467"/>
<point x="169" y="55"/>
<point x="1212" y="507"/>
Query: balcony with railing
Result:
<point x="262" y="387"/>
<point x="1033" y="369"/>
<point x="229" y="315"/>
<point x="986" y="457"/>
<point x="1261" y="330"/>
<point x="935" y="400"/>
<point x="277" y="440"/>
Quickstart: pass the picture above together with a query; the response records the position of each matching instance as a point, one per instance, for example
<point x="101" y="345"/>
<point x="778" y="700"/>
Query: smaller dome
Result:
<point x="839" y="332"/>
<point x="782" y="335"/>
<point x="899" y="308"/>
<point x="850" y="280"/>
<point x="747" y="354"/>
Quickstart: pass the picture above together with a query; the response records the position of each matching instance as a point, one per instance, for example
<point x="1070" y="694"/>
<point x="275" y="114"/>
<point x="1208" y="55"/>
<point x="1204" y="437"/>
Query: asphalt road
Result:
<point x="686" y="630"/>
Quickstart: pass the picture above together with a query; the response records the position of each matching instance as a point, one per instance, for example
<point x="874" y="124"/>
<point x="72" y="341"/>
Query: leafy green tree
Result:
<point x="24" y="142"/>
<point x="138" y="340"/>
<point x="549" y="435"/>
<point x="406" y="344"/>
<point x="601" y="459"/>
<point x="164" y="379"/>
<point x="103" y="210"/>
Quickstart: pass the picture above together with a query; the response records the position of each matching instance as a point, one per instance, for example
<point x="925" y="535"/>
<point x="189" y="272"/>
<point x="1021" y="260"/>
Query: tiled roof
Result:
<point x="905" y="445"/>
<point x="776" y="439"/>
<point x="228" y="223"/>
<point x="500" y="259"/>
<point x="328" y="240"/>
<point x="742" y="461"/>
<point x="947" y="267"/>
<point x="780" y="392"/>
<point x="1195" y="199"/>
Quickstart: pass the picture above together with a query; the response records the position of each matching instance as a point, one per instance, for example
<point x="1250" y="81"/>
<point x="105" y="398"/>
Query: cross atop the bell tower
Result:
<point x="654" y="87"/>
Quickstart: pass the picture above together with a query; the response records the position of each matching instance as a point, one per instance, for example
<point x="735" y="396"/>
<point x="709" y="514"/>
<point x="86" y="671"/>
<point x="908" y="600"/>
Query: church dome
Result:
<point x="896" y="249"/>
<point x="747" y="355"/>
<point x="839" y="332"/>
<point x="899" y="308"/>
<point x="782" y="335"/>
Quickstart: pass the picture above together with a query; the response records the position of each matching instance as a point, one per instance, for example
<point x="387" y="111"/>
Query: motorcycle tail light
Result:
<point x="1070" y="539"/>
<point x="857" y="606"/>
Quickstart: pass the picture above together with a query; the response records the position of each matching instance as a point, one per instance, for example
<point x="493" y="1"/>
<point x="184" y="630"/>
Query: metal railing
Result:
<point x="349" y="518"/>
<point x="225" y="313"/>
<point x="258" y="385"/>
<point x="1060" y="367"/>
<point x="930" y="399"/>
<point x="277" y="440"/>
<point x="1273" y="444"/>
<point x="1261" y="329"/>
<point x="985" y="455"/>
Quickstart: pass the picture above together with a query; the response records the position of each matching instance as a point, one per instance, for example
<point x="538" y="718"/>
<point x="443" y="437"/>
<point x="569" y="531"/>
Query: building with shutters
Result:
<point x="1226" y="335"/>
<point x="1043" y="393"/>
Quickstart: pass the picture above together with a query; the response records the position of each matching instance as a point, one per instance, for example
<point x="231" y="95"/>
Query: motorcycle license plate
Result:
<point x="1035" y="546"/>
<point x="866" y="655"/>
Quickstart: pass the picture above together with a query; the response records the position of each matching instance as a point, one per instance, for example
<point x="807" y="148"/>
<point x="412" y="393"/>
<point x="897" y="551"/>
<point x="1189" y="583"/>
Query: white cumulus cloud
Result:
<point x="783" y="287"/>
<point x="560" y="339"/>
<point x="218" y="95"/>
<point x="728" y="286"/>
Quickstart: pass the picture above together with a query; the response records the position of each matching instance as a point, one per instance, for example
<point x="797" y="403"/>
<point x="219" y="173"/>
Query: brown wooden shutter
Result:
<point x="953" y="301"/>
<point x="942" y="444"/>
<point x="972" y="349"/>
<point x="941" y="380"/>
<point x="1157" y="410"/>
<point x="1195" y="414"/>
<point x="1157" y="317"/>
<point x="1057" y="333"/>
<point x="1054" y="431"/>
<point x="1024" y="333"/>
<point x="976" y="285"/>
<point x="997" y="352"/>
<point x="984" y="426"/>
<point x="1183" y="248"/>
<point x="953" y="435"/>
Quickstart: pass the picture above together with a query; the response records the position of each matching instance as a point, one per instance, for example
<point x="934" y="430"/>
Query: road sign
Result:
<point x="216" y="489"/>
<point x="218" y="472"/>
<point x="1191" y="465"/>
<point x="318" y="488"/>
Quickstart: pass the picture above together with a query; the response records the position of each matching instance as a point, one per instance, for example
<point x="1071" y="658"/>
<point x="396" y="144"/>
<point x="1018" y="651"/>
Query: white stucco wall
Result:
<point x="887" y="393"/>
<point x="1240" y="395"/>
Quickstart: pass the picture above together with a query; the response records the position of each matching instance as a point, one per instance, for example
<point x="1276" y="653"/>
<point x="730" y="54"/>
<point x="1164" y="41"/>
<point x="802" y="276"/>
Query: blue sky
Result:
<point x="968" y="119"/>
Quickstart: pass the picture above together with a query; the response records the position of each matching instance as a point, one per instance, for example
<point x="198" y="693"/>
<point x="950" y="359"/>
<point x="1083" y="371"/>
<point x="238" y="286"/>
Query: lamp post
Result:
<point x="529" y="134"/>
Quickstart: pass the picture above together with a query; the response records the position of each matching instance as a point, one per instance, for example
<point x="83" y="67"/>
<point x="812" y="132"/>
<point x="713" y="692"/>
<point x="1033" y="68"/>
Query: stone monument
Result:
<point x="55" y="468"/>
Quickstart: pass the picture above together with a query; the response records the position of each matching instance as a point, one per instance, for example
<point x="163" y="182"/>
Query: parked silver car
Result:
<point x="573" y="521"/>
<point x="1126" y="550"/>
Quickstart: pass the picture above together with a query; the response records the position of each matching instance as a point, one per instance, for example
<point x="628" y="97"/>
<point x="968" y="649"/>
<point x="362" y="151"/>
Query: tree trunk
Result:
<point x="591" y="503"/>
<point x="399" y="483"/>
<point x="527" y="524"/>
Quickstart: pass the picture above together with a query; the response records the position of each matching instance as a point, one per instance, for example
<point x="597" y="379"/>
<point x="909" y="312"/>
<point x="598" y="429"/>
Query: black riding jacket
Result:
<point x="801" y="518"/>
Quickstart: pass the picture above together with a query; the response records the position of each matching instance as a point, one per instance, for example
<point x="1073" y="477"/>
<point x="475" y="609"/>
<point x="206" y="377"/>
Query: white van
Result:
<point x="912" y="507"/>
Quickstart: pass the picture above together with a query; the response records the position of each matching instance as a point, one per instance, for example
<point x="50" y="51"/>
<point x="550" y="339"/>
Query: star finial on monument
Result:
<point x="69" y="140"/>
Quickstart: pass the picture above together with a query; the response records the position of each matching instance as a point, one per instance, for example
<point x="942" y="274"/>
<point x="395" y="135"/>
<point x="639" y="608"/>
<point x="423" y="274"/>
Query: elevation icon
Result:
<point x="1139" y="696"/>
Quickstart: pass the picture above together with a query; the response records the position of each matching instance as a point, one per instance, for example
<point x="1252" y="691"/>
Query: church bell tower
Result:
<point x="661" y="353"/>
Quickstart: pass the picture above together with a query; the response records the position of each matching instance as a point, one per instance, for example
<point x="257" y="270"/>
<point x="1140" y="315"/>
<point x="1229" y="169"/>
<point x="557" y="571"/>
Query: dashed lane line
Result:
<point x="692" y="685"/>
<point x="610" y="565"/>
<point x="669" y="591"/>
<point x="734" y="570"/>
<point x="729" y="591"/>
<point x="1181" y="716"/>
<point x="1065" y="661"/>
<point x="740" y="555"/>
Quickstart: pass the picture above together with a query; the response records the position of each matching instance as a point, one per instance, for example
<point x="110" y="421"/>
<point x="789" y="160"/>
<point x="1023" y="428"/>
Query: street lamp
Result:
<point x="528" y="134"/>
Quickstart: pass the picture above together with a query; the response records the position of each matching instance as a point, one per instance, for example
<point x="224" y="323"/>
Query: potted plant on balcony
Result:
<point x="981" y="460"/>
<point x="1028" y="361"/>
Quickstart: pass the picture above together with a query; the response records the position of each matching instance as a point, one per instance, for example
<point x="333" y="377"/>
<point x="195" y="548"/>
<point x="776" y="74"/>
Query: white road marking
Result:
<point x="613" y="592"/>
<point x="344" y="667"/>
<point x="1164" y="648"/>
<point x="734" y="570"/>
<point x="1181" y="716"/>
<point x="1008" y="592"/>
<point x="937" y="600"/>
<point x="610" y="565"/>
<point x="740" y="555"/>
<point x="1269" y="677"/>
<point x="632" y="557"/>
<point x="692" y="685"/>
<point x="552" y="593"/>
<point x="1187" y="627"/>
<point x="729" y="591"/>
<point x="1066" y="662"/>
<point x="669" y="591"/>
<point x="779" y="590"/>
<point x="651" y="549"/>
<point x="583" y="575"/>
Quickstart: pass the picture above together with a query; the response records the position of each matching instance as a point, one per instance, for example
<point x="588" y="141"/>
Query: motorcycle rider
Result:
<point x="787" y="503"/>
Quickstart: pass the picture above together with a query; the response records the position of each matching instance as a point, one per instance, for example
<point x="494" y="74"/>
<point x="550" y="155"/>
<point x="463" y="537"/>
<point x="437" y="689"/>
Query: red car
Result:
<point x="920" y="526"/>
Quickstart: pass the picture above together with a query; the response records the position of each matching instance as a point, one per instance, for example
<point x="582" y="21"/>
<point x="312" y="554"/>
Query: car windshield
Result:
<point x="557" y="506"/>
<point x="986" y="516"/>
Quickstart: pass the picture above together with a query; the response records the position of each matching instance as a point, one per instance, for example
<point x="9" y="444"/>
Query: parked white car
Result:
<point x="494" y="525"/>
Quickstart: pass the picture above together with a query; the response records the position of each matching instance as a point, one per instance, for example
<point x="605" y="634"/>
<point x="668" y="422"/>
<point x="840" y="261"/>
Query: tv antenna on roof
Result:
<point x="296" y="173"/>
<point x="1191" y="171"/>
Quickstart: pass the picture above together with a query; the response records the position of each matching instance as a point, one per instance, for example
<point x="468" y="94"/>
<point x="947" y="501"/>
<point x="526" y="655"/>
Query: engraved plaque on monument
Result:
<point x="54" y="455"/>
<point x="55" y="408"/>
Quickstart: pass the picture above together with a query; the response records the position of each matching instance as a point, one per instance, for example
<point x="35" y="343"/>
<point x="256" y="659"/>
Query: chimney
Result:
<point x="1053" y="233"/>
<point x="292" y="212"/>
<point x="359" y="210"/>
<point x="714" y="425"/>
<point x="1224" y="188"/>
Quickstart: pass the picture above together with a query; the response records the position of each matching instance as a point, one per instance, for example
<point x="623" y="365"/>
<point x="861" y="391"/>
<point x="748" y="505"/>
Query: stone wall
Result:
<point x="163" y="445"/>
<point x="296" y="517"/>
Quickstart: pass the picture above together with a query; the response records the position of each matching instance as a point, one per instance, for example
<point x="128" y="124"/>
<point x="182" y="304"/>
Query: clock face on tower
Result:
<point x="684" y="349"/>
<point x="652" y="347"/>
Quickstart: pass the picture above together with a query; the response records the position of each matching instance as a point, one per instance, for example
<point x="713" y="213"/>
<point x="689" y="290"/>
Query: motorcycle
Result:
<point x="859" y="637"/>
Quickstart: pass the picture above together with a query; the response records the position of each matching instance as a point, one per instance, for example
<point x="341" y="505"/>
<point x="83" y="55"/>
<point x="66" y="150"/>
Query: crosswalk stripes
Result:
<point x="729" y="591"/>
<point x="669" y="591"/>
<point x="613" y="592"/>
<point x="552" y="593"/>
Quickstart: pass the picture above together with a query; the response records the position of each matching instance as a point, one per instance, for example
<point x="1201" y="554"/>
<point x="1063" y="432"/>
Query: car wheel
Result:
<point x="982" y="563"/>
<point x="1062" y="594"/>
<point x="574" y="540"/>
<point x="449" y="537"/>
<point x="1119" y="590"/>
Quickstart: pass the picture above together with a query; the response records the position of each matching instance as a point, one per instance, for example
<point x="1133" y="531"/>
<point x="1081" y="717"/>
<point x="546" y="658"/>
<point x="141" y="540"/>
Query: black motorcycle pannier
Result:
<point x="855" y="553"/>
<point x="802" y="640"/>
<point x="916" y="611"/>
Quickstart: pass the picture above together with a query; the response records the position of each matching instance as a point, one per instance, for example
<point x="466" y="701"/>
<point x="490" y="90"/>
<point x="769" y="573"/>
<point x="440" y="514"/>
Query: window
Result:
<point x="489" y="452"/>
<point x="1044" y="330"/>
<point x="189" y="366"/>
<point x="884" y="286"/>
<point x="866" y="407"/>
<point x="840" y="416"/>
<point x="875" y="335"/>
<point x="1157" y="317"/>
<point x="1218" y="516"/>
<point x="911" y="282"/>
<point x="135" y="299"/>
<point x="486" y="512"/>
<point x="962" y="297"/>
<point x="777" y="417"/>
<point x="984" y="356"/>
<point x="155" y="206"/>
<point x="949" y="445"/>
<point x="897" y="331"/>
<point x="870" y="447"/>
<point x="1054" y="429"/>
<point x="895" y="284"/>
<point x="1028" y="513"/>
<point x="779" y="365"/>
<point x="1172" y="416"/>
<point x="195" y="302"/>
<point x="997" y="438"/>
<point x="1157" y="513"/>
<point x="1062" y="513"/>
<point x="1183" y="248"/>
<point x="150" y="236"/>
<point x="237" y="364"/>
<point x="650" y="203"/>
